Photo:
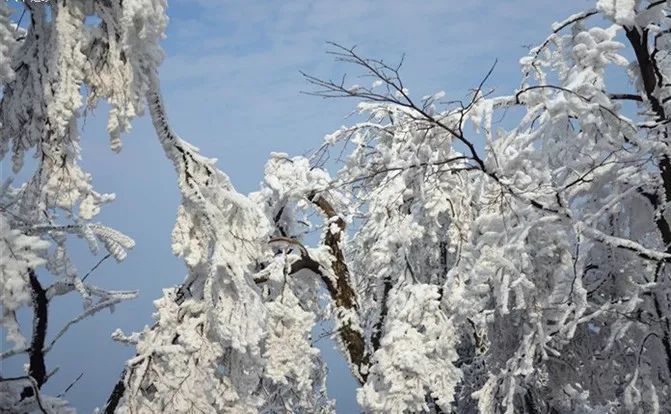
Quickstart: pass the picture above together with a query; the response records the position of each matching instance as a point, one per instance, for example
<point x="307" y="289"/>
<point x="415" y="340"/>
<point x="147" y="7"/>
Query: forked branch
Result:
<point x="339" y="287"/>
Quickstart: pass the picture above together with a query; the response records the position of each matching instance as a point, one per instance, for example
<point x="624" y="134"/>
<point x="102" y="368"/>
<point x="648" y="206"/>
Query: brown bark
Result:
<point x="340" y="289"/>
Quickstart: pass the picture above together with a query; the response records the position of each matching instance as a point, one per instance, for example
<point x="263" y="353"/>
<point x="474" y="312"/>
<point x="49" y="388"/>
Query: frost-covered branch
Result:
<point x="37" y="369"/>
<point x="342" y="291"/>
<point x="468" y="265"/>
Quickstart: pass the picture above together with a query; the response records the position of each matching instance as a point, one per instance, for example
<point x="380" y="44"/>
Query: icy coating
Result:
<point x="468" y="265"/>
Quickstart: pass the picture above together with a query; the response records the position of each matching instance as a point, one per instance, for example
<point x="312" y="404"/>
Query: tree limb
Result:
<point x="37" y="369"/>
<point x="651" y="78"/>
<point x="340" y="289"/>
<point x="117" y="393"/>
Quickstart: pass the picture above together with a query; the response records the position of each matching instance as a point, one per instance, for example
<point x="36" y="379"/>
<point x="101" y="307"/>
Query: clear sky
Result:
<point x="232" y="86"/>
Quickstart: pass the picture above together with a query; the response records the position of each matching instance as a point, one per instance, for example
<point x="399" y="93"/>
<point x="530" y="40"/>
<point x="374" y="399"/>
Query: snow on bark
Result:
<point x="501" y="268"/>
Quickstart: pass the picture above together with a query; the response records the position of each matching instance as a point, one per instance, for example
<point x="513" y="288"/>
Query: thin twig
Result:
<point x="70" y="386"/>
<point x="107" y="256"/>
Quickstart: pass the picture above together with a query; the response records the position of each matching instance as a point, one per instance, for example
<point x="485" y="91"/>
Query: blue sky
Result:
<point x="232" y="86"/>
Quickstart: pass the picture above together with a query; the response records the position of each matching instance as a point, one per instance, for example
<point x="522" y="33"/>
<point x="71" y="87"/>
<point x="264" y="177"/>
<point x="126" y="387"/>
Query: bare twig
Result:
<point x="65" y="391"/>
<point x="107" y="256"/>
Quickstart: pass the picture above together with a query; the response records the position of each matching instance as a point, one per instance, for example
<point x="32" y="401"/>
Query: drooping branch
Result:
<point x="198" y="179"/>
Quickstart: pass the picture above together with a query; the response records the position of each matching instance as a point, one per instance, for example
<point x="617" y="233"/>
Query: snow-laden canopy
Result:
<point x="469" y="265"/>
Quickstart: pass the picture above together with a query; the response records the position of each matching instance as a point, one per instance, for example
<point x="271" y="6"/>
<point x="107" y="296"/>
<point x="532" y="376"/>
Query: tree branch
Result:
<point x="625" y="97"/>
<point x="37" y="368"/>
<point x="651" y="78"/>
<point x="340" y="289"/>
<point x="379" y="326"/>
<point x="117" y="393"/>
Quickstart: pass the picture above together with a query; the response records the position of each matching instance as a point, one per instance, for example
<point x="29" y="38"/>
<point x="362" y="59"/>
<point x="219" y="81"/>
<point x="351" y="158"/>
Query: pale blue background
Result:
<point x="231" y="82"/>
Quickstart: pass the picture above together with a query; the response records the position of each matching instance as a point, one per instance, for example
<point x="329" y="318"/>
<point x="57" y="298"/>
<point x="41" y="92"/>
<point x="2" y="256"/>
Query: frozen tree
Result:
<point x="43" y="71"/>
<point x="468" y="264"/>
<point x="218" y="328"/>
<point x="518" y="267"/>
